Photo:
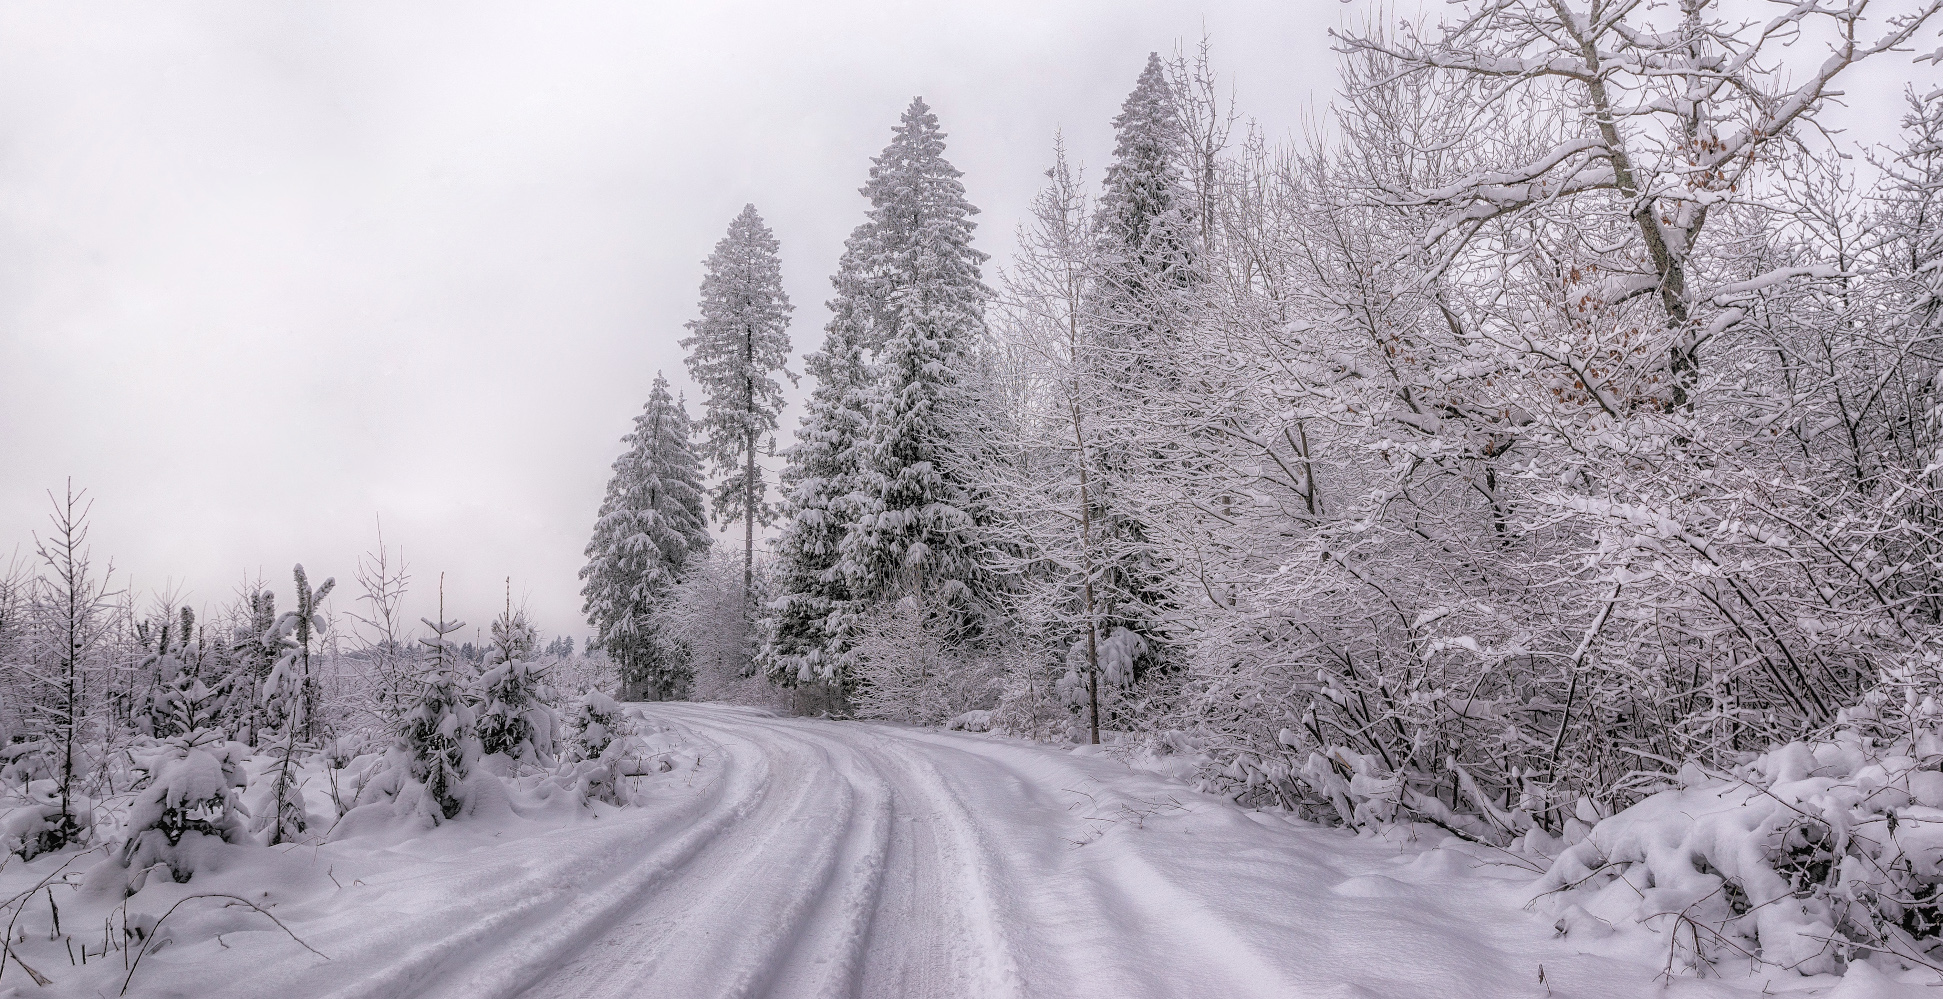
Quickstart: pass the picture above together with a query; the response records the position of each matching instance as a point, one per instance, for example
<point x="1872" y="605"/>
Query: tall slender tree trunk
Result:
<point x="1092" y="619"/>
<point x="1086" y="586"/>
<point x="749" y="523"/>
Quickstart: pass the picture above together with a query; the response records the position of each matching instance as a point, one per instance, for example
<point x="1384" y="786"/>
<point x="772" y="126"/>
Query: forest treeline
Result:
<point x="1563" y="409"/>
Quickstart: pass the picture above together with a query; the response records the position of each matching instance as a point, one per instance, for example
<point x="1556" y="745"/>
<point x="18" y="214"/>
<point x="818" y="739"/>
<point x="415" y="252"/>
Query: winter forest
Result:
<point x="1519" y="491"/>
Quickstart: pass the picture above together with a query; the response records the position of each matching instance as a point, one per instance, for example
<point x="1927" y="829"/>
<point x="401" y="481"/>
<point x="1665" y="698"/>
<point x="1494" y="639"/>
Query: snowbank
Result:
<point x="1813" y="857"/>
<point x="172" y="894"/>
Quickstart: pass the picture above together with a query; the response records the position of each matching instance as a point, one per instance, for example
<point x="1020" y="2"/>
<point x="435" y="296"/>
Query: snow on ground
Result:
<point x="795" y="857"/>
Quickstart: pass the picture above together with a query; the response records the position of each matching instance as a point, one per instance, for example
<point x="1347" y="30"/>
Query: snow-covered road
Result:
<point x="815" y="858"/>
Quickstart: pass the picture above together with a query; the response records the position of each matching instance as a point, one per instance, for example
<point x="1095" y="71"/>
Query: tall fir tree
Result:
<point x="880" y="503"/>
<point x="916" y="510"/>
<point x="737" y="347"/>
<point x="1137" y="300"/>
<point x="807" y="627"/>
<point x="650" y="524"/>
<point x="1143" y="216"/>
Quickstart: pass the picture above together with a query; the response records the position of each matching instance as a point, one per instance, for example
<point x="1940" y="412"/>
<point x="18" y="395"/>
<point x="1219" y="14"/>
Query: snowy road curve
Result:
<point x="807" y="858"/>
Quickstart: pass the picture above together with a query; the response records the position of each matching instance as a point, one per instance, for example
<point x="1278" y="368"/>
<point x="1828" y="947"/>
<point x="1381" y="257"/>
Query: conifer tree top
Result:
<point x="737" y="347"/>
<point x="918" y="236"/>
<point x="1144" y="176"/>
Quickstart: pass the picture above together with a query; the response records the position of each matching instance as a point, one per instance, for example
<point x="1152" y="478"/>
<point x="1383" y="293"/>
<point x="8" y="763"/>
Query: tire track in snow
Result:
<point x="967" y="854"/>
<point x="490" y="953"/>
<point x="1115" y="886"/>
<point x="733" y="923"/>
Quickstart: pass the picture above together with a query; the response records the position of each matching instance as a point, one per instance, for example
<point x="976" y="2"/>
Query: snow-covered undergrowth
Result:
<point x="1815" y="858"/>
<point x="1812" y="857"/>
<point x="172" y="882"/>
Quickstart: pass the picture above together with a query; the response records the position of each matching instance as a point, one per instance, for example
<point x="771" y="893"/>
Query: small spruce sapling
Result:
<point x="597" y="724"/>
<point x="190" y="791"/>
<point x="163" y="670"/>
<point x="292" y="689"/>
<point x="600" y="737"/>
<point x="439" y="733"/>
<point x="516" y="717"/>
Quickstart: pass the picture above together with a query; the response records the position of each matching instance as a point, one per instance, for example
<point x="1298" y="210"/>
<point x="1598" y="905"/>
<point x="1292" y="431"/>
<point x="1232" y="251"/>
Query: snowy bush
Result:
<point x="440" y="742"/>
<point x="598" y="777"/>
<point x="189" y="792"/>
<point x="908" y="670"/>
<point x="709" y="611"/>
<point x="1808" y="857"/>
<point x="25" y="761"/>
<point x="40" y="824"/>
<point x="597" y="724"/>
<point x="514" y="717"/>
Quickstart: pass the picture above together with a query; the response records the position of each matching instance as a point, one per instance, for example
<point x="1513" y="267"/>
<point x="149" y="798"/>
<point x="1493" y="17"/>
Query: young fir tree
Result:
<point x="734" y="353"/>
<point x="166" y="645"/>
<point x="650" y="524"/>
<point x="252" y="653"/>
<point x="918" y="511"/>
<point x="806" y="633"/>
<point x="292" y="692"/>
<point x="515" y="718"/>
<point x="292" y="687"/>
<point x="439" y="734"/>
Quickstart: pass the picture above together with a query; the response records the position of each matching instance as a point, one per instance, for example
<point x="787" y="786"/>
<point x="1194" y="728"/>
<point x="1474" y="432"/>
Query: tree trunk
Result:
<point x="749" y="523"/>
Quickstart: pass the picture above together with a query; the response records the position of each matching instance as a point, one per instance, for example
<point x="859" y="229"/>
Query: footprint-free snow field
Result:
<point x="794" y="858"/>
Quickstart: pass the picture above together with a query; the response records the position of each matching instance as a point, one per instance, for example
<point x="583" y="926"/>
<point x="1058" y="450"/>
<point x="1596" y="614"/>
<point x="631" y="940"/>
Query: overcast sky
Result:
<point x="269" y="272"/>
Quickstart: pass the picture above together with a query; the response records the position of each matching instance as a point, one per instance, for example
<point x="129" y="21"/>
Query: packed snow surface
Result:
<point x="795" y="857"/>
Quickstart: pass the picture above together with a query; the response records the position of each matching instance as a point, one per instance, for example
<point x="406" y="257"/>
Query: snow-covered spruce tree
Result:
<point x="651" y="522"/>
<point x="165" y="641"/>
<point x="919" y="508"/>
<point x="515" y="714"/>
<point x="1136" y="317"/>
<point x="291" y="692"/>
<point x="189" y="791"/>
<point x="1143" y="217"/>
<point x="439" y="734"/>
<point x="809" y="624"/>
<point x="253" y="653"/>
<point x="191" y="702"/>
<point x="735" y="350"/>
<point x="597" y="725"/>
<point x="598" y="744"/>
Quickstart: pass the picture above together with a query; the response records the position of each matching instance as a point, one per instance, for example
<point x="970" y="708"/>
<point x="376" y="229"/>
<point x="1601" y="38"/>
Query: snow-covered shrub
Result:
<point x="907" y="670"/>
<point x="40" y="825"/>
<point x="440" y="741"/>
<point x="285" y="817"/>
<point x="710" y="612"/>
<point x="1808" y="857"/>
<point x="596" y="725"/>
<point x="189" y="791"/>
<point x="598" y="777"/>
<point x="25" y="761"/>
<point x="515" y="717"/>
<point x="971" y="721"/>
<point x="1035" y="703"/>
